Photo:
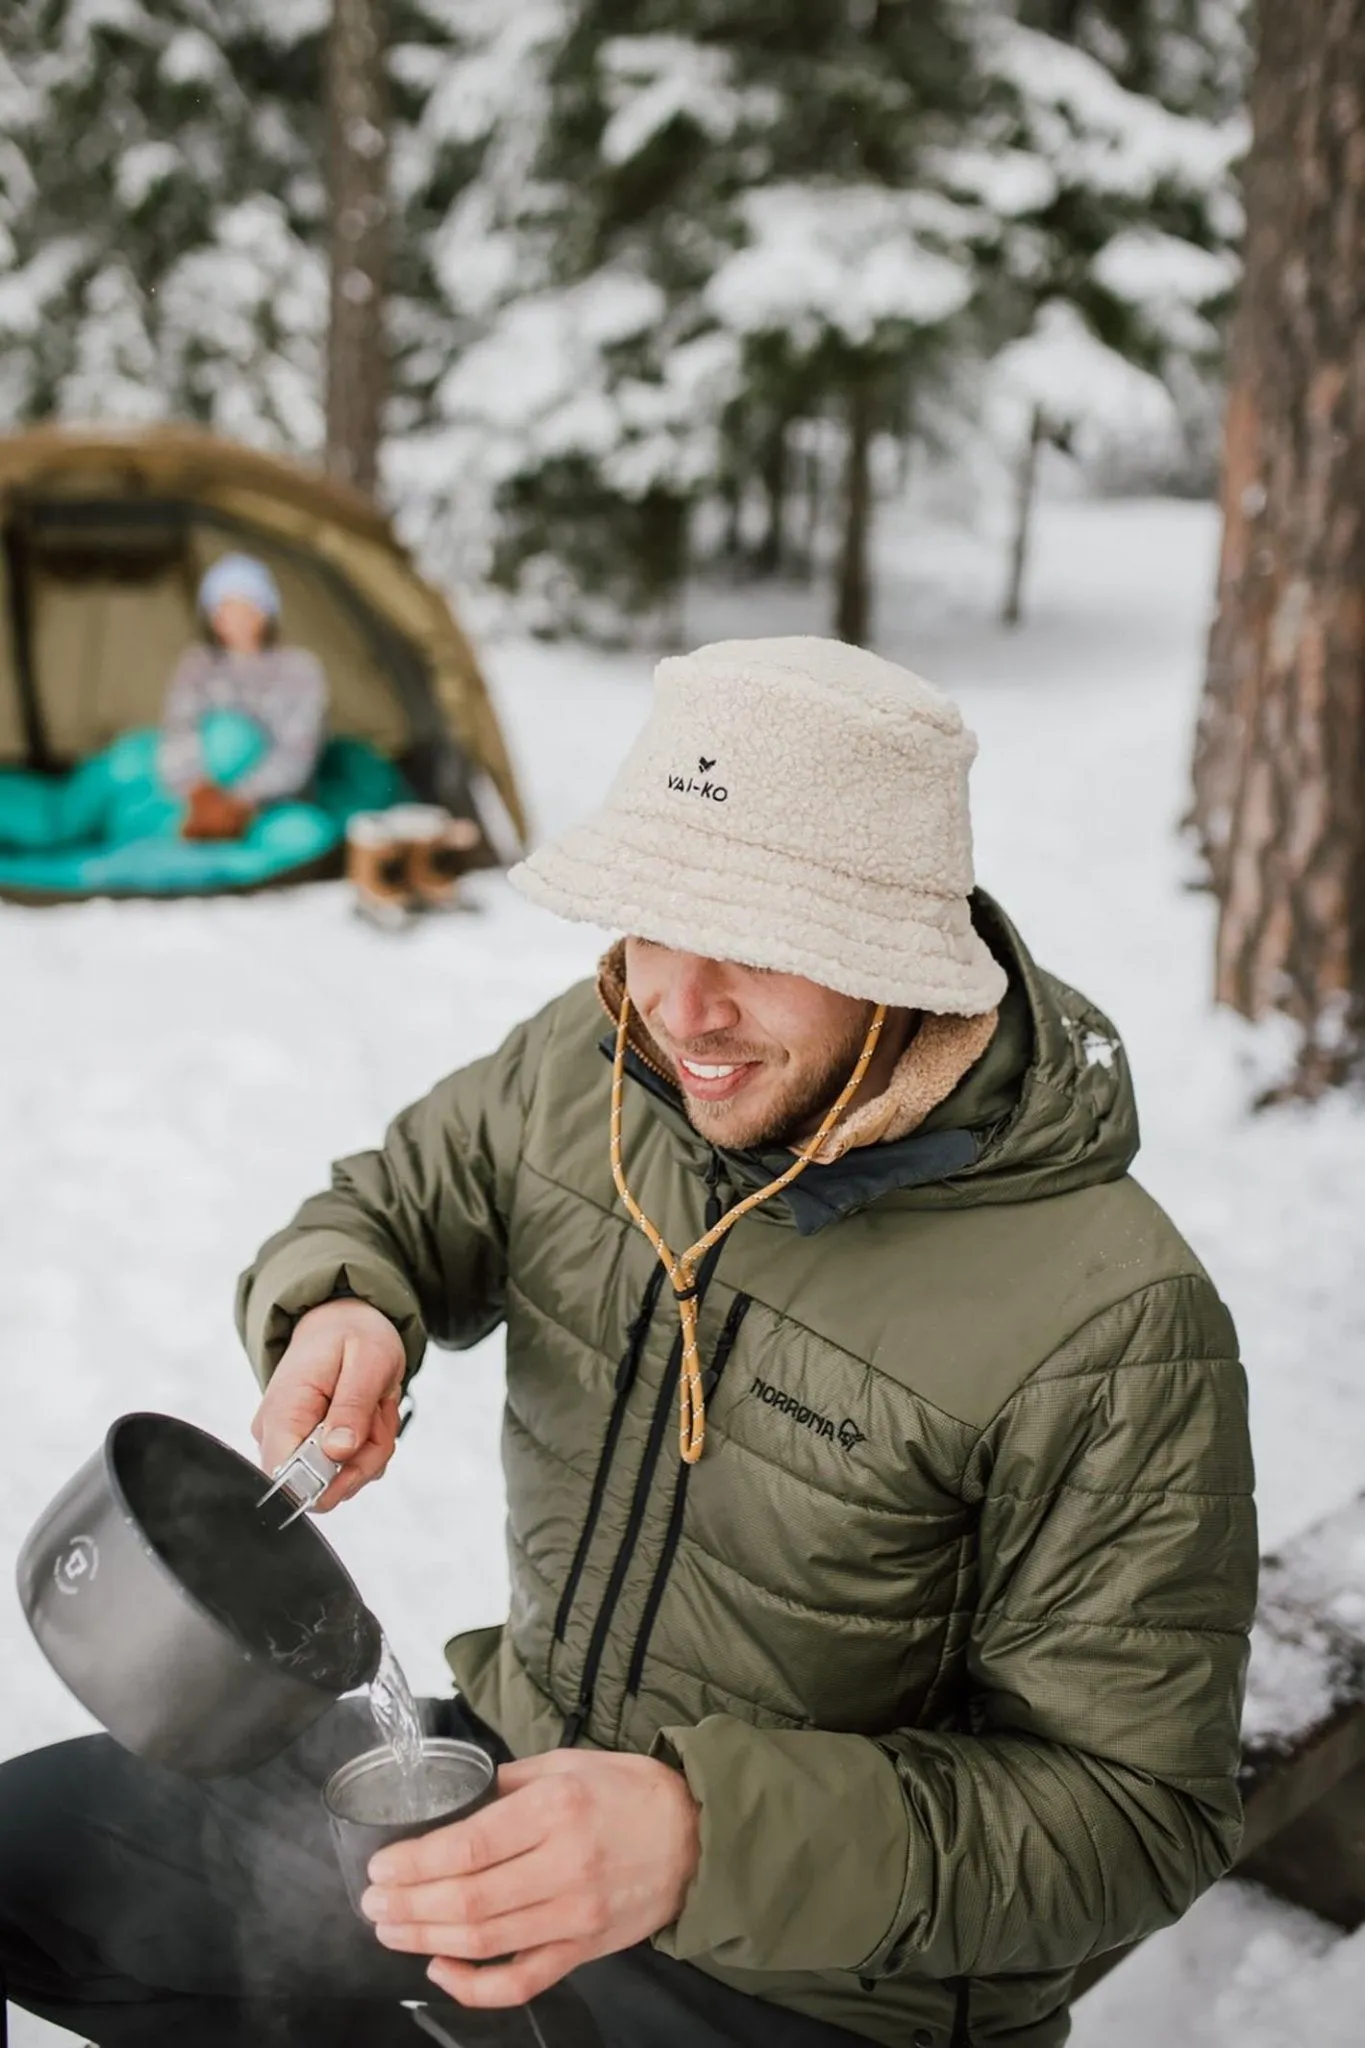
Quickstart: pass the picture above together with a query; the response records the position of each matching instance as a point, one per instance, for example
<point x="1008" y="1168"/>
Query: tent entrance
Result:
<point x="101" y="603"/>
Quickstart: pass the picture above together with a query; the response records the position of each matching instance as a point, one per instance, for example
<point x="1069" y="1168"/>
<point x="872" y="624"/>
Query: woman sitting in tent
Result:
<point x="237" y="788"/>
<point x="245" y="718"/>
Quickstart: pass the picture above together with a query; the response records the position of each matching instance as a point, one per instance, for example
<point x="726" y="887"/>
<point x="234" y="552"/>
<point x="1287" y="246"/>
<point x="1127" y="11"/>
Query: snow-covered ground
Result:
<point x="174" y="1078"/>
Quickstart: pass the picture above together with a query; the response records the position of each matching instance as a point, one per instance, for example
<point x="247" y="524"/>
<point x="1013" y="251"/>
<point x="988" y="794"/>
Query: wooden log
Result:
<point x="1318" y="1861"/>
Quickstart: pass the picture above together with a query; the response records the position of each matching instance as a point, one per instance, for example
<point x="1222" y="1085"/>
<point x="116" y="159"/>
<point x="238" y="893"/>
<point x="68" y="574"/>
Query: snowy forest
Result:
<point x="666" y="283"/>
<point x="1016" y="340"/>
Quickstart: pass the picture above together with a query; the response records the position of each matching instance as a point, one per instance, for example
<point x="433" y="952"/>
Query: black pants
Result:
<point x="137" y="1906"/>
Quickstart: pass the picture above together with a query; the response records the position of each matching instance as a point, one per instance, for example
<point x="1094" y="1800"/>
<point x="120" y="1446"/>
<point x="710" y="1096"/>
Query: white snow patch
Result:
<point x="287" y="22"/>
<point x="841" y="258"/>
<point x="1095" y="132"/>
<point x="25" y="292"/>
<point x="486" y="81"/>
<point x="1144" y="266"/>
<point x="1008" y="182"/>
<point x="192" y="58"/>
<point x="141" y="169"/>
<point x="654" y="80"/>
<point x="1310" y="1634"/>
<point x="1078" y="382"/>
<point x="542" y="347"/>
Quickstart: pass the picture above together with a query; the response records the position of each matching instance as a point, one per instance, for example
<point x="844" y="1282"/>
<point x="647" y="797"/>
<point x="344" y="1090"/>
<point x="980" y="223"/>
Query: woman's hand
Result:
<point x="212" y="812"/>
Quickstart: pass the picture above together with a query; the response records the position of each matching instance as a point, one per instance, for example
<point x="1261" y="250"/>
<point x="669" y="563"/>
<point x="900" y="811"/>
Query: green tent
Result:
<point x="104" y="535"/>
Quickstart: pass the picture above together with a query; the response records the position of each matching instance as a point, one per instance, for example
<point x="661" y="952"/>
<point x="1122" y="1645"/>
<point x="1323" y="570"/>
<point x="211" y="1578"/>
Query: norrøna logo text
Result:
<point x="846" y="1433"/>
<point x="700" y="784"/>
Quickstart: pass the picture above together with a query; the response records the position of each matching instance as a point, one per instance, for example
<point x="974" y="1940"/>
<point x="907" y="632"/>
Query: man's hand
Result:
<point x="582" y="1854"/>
<point x="345" y="1361"/>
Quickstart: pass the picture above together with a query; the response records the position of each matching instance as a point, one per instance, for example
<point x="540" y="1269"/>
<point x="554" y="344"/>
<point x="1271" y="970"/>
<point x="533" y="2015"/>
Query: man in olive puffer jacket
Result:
<point x="879" y="1514"/>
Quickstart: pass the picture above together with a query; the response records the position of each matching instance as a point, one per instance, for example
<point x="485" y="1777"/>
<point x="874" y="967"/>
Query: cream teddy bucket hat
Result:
<point x="795" y="804"/>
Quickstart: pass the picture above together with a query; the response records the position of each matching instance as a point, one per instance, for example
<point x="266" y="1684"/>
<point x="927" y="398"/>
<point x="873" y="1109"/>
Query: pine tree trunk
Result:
<point x="1280" y="765"/>
<point x="774" y="471"/>
<point x="853" y="599"/>
<point x="811" y="492"/>
<point x="358" y="233"/>
<point x="1012" y="611"/>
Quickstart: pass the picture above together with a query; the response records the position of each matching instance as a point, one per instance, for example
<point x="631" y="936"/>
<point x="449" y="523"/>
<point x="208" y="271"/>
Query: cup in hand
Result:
<point x="370" y="1802"/>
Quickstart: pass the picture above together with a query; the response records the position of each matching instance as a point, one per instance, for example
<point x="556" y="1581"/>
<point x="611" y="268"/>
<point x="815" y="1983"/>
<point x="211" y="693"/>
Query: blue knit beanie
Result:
<point x="239" y="576"/>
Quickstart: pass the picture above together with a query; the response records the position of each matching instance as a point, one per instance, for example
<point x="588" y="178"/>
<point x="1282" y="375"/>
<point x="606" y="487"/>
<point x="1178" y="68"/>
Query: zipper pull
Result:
<point x="715" y="1173"/>
<point x="574" y="1725"/>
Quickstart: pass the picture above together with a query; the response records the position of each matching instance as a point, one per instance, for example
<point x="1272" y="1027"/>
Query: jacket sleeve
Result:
<point x="180" y="758"/>
<point x="1095" y="1795"/>
<point x="295" y="712"/>
<point x="419" y="1228"/>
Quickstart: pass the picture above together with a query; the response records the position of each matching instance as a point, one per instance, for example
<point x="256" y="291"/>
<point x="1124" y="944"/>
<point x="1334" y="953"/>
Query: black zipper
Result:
<point x="625" y="1380"/>
<point x="663" y="1408"/>
<point x="725" y="1344"/>
<point x="962" y="2014"/>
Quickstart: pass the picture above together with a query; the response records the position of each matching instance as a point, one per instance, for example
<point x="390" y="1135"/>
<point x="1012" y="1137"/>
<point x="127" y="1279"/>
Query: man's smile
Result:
<point x="714" y="1080"/>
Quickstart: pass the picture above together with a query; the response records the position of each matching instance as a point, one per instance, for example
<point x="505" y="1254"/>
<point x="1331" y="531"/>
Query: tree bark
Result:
<point x="774" y="473"/>
<point x="1026" y="483"/>
<point x="1280" y="756"/>
<point x="358" y="235"/>
<point x="853" y="596"/>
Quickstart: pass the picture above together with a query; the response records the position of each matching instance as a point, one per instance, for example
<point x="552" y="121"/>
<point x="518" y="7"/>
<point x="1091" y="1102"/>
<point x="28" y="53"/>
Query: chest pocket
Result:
<point x="823" y="1564"/>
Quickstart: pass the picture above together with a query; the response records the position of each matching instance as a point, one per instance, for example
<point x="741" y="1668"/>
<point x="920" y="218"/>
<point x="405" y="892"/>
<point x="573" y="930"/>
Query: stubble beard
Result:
<point x="792" y="1117"/>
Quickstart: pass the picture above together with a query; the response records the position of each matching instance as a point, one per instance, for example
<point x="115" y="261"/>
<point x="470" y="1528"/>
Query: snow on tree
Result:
<point x="578" y="418"/>
<point x="170" y="119"/>
<point x="163" y="202"/>
<point x="853" y="289"/>
<point x="651" y="259"/>
<point x="1085" y="194"/>
<point x="648" y="171"/>
<point x="1105" y="150"/>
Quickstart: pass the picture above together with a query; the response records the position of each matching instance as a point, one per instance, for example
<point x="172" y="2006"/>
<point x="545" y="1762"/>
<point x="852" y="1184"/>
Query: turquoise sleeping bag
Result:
<point x="111" y="828"/>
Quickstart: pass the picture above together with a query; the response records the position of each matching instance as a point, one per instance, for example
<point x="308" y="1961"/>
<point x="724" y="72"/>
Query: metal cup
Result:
<point x="370" y="1803"/>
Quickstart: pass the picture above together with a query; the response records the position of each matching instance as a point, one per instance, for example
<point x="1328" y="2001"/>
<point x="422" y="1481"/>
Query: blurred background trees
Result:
<point x="631" y="285"/>
<point x="599" y="293"/>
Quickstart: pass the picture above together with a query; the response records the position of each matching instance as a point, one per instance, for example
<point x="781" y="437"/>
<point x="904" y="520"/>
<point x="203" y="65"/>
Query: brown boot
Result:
<point x="440" y="849"/>
<point x="377" y="867"/>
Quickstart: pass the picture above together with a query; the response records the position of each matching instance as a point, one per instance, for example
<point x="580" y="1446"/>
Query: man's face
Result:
<point x="759" y="1057"/>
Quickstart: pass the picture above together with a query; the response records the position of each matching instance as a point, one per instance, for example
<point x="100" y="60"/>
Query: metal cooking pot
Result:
<point x="200" y="1632"/>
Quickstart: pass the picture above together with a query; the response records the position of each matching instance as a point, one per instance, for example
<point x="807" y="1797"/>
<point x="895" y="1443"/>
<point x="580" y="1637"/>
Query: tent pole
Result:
<point x="21" y="647"/>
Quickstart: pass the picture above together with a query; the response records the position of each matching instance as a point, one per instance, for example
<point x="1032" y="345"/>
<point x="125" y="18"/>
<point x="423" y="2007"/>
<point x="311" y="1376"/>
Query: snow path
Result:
<point x="174" y="1078"/>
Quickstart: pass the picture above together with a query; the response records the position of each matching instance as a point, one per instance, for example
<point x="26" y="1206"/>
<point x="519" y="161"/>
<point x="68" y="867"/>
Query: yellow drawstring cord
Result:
<point x="682" y="1271"/>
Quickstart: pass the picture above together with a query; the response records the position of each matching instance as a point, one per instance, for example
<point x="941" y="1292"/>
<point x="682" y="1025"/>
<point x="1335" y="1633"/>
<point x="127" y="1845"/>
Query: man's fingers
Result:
<point x="365" y="1380"/>
<point x="290" y="1412"/>
<point x="344" y="1364"/>
<point x="511" y="1934"/>
<point x="361" y="1470"/>
<point x="509" y="1827"/>
<point x="513" y="1983"/>
<point x="491" y="1894"/>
